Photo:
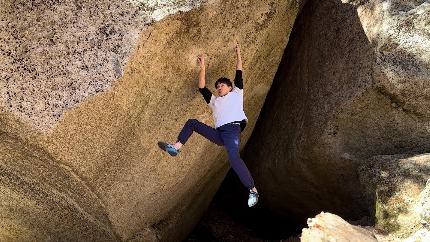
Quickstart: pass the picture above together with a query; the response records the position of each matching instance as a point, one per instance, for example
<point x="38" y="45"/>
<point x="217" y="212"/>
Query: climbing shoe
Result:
<point x="168" y="148"/>
<point x="252" y="199"/>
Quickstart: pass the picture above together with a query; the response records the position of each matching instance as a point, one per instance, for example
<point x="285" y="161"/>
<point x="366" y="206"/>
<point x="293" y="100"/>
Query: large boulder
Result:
<point x="353" y="84"/>
<point x="88" y="88"/>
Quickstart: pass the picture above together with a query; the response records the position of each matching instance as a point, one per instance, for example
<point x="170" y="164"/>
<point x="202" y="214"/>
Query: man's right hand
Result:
<point x="237" y="48"/>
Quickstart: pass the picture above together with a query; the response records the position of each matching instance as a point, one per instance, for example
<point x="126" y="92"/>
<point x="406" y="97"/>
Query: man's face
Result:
<point x="223" y="89"/>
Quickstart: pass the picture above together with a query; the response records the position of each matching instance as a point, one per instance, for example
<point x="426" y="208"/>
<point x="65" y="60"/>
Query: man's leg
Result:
<point x="231" y="139"/>
<point x="190" y="126"/>
<point x="201" y="128"/>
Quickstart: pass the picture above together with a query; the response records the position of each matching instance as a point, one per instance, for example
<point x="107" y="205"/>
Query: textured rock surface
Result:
<point x="353" y="84"/>
<point x="107" y="143"/>
<point x="400" y="33"/>
<point x="398" y="185"/>
<point x="330" y="227"/>
<point x="56" y="54"/>
<point x="43" y="200"/>
<point x="423" y="206"/>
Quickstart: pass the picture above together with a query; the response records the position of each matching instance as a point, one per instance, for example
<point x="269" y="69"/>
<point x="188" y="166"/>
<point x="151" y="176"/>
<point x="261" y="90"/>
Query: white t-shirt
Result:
<point x="228" y="108"/>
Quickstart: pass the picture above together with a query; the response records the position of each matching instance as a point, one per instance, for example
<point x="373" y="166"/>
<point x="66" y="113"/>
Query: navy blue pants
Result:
<point x="227" y="135"/>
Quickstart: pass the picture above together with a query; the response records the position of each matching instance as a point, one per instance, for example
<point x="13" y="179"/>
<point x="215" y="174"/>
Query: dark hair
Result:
<point x="225" y="81"/>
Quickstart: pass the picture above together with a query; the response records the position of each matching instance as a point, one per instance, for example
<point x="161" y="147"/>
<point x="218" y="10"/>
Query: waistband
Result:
<point x="235" y="122"/>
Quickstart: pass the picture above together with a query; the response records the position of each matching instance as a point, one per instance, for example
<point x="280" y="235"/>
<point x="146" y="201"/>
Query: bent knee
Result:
<point x="192" y="122"/>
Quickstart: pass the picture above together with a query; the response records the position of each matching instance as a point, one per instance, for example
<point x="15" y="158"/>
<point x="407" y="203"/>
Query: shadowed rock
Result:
<point x="353" y="84"/>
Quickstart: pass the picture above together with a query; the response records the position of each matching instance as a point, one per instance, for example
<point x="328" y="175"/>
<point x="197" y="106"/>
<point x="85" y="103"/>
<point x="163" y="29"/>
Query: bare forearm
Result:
<point x="202" y="80"/>
<point x="238" y="82"/>
<point x="238" y="58"/>
<point x="238" y="61"/>
<point x="202" y="72"/>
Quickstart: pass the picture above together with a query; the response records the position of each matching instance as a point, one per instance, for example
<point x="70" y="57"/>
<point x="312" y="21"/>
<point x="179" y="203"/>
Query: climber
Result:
<point x="230" y="120"/>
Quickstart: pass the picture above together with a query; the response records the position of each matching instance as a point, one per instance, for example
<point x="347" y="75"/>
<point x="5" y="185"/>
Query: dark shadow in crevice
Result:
<point x="295" y="152"/>
<point x="229" y="218"/>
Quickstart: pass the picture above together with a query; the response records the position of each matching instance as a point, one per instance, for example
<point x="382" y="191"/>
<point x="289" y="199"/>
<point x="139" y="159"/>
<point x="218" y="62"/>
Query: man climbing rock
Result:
<point x="230" y="120"/>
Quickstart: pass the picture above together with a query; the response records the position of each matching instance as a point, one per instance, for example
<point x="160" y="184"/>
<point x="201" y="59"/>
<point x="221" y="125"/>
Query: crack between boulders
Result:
<point x="398" y="104"/>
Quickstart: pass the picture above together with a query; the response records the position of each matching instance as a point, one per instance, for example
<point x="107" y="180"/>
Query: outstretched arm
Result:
<point x="239" y="58"/>
<point x="238" y="81"/>
<point x="202" y="72"/>
<point x="207" y="95"/>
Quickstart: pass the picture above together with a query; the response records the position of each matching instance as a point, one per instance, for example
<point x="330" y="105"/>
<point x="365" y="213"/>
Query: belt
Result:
<point x="234" y="122"/>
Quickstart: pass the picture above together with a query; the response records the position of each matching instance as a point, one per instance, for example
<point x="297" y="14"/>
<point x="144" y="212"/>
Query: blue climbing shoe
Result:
<point x="168" y="148"/>
<point x="252" y="199"/>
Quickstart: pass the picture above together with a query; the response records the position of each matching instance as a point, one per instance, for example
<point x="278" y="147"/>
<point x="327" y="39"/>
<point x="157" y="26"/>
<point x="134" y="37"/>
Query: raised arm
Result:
<point x="207" y="94"/>
<point x="238" y="81"/>
<point x="202" y="72"/>
<point x="238" y="57"/>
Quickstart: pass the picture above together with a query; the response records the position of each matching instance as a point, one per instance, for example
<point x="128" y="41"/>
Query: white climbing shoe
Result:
<point x="252" y="199"/>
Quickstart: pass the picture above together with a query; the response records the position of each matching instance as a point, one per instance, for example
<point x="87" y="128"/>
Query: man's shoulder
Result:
<point x="237" y="90"/>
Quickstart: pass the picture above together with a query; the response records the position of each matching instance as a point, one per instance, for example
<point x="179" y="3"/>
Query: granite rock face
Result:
<point x="42" y="200"/>
<point x="89" y="88"/>
<point x="56" y="54"/>
<point x="423" y="206"/>
<point x="399" y="186"/>
<point x="353" y="84"/>
<point x="400" y="33"/>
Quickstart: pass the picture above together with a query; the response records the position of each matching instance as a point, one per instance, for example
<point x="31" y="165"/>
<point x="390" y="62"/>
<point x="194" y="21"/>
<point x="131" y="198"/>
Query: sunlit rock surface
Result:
<point x="400" y="33"/>
<point x="327" y="227"/>
<point x="89" y="88"/>
<point x="56" y="54"/>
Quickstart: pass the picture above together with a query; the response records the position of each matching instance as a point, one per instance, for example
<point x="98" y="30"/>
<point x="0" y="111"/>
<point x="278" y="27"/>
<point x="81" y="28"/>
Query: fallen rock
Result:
<point x="330" y="227"/>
